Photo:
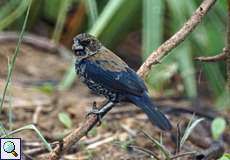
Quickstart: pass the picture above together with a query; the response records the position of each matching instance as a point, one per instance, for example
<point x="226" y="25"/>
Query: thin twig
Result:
<point x="36" y="114"/>
<point x="154" y="58"/>
<point x="16" y="52"/>
<point x="178" y="140"/>
<point x="177" y="38"/>
<point x="216" y="58"/>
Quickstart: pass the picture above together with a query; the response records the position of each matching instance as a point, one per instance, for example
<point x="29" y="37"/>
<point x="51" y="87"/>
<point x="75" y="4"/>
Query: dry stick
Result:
<point x="228" y="47"/>
<point x="219" y="57"/>
<point x="154" y="58"/>
<point x="177" y="38"/>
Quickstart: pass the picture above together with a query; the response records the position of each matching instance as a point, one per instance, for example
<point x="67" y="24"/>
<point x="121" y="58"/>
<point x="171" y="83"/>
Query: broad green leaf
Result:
<point x="92" y="11"/>
<point x="61" y="20"/>
<point x="8" y="7"/>
<point x="152" y="29"/>
<point x="183" y="52"/>
<point x="65" y="119"/>
<point x="217" y="127"/>
<point x="16" y="13"/>
<point x="152" y="36"/>
<point x="51" y="9"/>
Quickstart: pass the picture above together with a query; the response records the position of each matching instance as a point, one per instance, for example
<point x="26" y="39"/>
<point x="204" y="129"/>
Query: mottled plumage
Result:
<point x="106" y="74"/>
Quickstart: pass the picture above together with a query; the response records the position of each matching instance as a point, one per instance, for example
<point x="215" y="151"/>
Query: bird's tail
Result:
<point x="155" y="116"/>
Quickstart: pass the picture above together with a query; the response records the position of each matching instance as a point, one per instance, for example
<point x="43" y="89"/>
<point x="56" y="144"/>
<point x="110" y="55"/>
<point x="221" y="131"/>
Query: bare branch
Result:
<point x="177" y="38"/>
<point x="216" y="58"/>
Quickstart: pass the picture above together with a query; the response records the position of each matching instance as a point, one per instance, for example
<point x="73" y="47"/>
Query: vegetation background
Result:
<point x="130" y="28"/>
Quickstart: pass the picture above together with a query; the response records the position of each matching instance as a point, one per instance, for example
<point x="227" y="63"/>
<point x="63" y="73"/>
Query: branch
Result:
<point x="154" y="58"/>
<point x="177" y="38"/>
<point x="219" y="57"/>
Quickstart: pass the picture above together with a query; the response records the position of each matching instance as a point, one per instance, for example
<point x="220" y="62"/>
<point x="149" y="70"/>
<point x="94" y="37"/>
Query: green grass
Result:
<point x="6" y="20"/>
<point x="61" y="20"/>
<point x="16" y="52"/>
<point x="11" y="64"/>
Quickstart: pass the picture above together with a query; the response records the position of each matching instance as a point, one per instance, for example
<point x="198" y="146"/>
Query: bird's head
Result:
<point x="85" y="45"/>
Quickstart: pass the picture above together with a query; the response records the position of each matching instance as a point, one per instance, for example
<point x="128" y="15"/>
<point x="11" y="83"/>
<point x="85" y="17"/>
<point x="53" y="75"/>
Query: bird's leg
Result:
<point x="102" y="111"/>
<point x="95" y="111"/>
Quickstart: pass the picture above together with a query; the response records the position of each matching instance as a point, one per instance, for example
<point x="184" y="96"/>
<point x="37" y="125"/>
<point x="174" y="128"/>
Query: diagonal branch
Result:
<point x="177" y="38"/>
<point x="154" y="58"/>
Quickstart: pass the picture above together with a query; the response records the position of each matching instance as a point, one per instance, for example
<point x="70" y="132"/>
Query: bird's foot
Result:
<point x="97" y="112"/>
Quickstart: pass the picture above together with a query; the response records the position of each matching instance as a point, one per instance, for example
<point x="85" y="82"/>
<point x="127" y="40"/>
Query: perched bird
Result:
<point x="106" y="74"/>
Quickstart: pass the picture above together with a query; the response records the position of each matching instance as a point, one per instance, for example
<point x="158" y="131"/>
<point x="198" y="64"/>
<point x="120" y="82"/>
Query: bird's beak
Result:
<point x="78" y="48"/>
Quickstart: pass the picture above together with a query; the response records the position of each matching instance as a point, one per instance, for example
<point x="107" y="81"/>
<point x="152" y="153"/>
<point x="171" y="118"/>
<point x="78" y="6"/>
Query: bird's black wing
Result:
<point x="125" y="81"/>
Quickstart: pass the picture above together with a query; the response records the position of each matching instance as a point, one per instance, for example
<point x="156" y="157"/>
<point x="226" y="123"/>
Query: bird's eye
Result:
<point x="85" y="42"/>
<point x="79" y="52"/>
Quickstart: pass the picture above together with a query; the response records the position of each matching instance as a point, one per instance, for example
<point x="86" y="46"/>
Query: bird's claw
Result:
<point x="96" y="112"/>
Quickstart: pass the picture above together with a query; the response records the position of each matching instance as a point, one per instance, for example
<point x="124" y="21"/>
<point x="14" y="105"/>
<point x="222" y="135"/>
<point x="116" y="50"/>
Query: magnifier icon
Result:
<point x="9" y="147"/>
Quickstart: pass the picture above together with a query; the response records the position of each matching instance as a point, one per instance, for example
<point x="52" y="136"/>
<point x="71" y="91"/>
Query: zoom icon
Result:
<point x="10" y="148"/>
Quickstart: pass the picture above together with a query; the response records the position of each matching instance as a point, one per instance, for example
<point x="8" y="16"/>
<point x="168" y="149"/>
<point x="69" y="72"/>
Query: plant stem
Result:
<point x="11" y="68"/>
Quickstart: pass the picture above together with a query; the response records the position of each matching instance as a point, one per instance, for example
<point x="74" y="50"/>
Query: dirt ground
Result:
<point x="118" y="137"/>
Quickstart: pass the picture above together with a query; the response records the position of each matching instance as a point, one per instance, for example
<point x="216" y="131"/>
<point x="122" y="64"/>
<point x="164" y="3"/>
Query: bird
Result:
<point x="107" y="74"/>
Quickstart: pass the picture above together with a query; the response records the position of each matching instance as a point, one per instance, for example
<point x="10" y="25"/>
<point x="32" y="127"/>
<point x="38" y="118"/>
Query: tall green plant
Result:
<point x="12" y="63"/>
<point x="61" y="20"/>
<point x="13" y="15"/>
<point x="152" y="30"/>
<point x="183" y="54"/>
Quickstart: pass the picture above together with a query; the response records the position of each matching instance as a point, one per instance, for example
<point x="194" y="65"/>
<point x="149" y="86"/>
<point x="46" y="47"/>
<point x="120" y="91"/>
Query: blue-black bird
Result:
<point x="106" y="74"/>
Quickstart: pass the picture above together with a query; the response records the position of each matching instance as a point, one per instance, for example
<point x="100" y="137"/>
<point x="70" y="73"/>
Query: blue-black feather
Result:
<point x="155" y="116"/>
<point x="125" y="81"/>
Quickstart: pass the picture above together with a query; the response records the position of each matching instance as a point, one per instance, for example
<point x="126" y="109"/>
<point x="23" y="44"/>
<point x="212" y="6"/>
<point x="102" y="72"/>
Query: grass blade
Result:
<point x="183" y="52"/>
<point x="15" y="55"/>
<point x="61" y="20"/>
<point x="15" y="14"/>
<point x="31" y="127"/>
<point x="10" y="115"/>
<point x="152" y="29"/>
<point x="192" y="124"/>
<point x="159" y="145"/>
<point x="92" y="11"/>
